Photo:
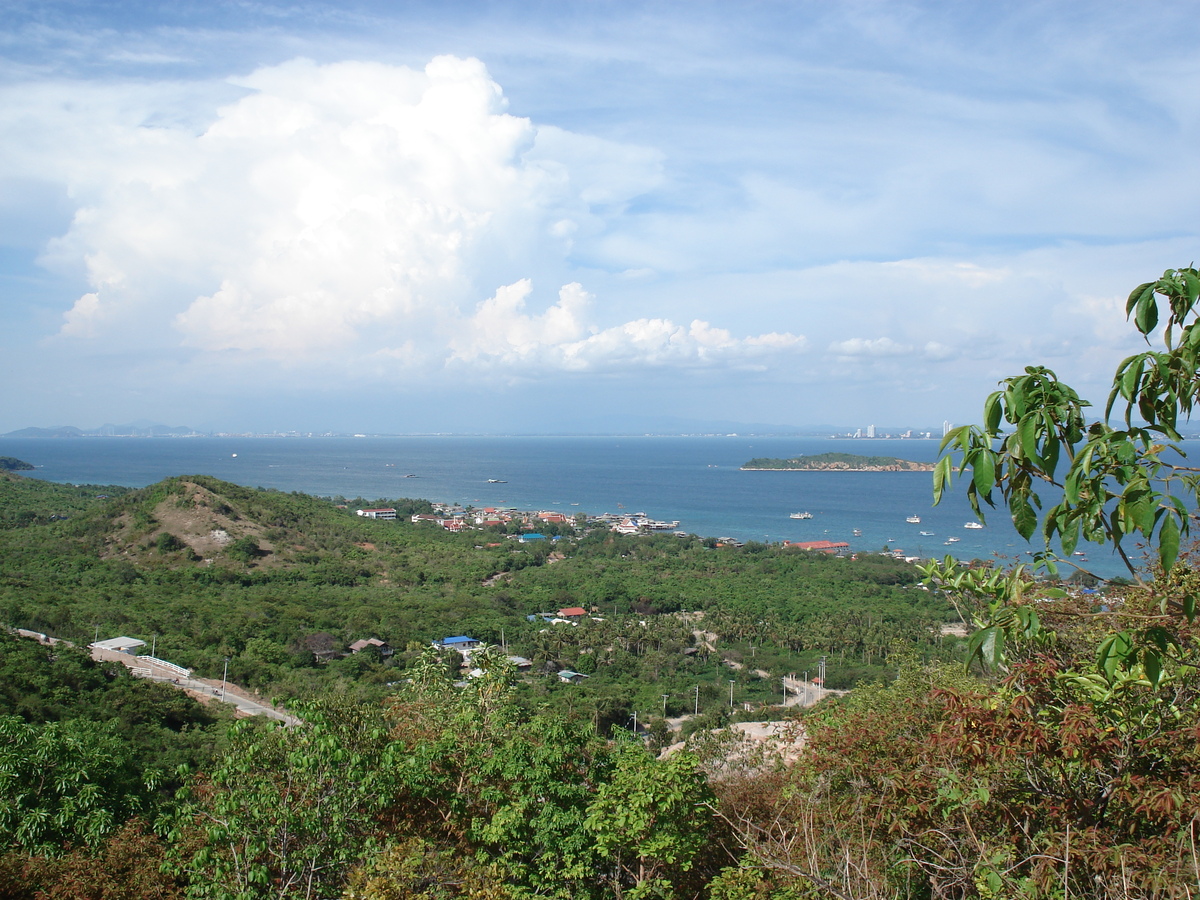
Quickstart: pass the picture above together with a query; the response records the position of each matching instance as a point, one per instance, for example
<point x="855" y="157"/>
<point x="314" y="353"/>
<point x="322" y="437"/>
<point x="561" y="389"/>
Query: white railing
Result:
<point x="170" y="667"/>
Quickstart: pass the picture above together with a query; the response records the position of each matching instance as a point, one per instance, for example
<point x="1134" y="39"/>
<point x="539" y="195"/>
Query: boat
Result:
<point x="410" y="476"/>
<point x="927" y="533"/>
<point x="973" y="525"/>
<point x="802" y="515"/>
<point x="858" y="532"/>
<point x="496" y="481"/>
<point x="953" y="540"/>
<point x="913" y="520"/>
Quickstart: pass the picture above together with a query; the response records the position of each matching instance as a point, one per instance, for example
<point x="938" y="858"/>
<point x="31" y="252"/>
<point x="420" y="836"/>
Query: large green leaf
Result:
<point x="1023" y="516"/>
<point x="1137" y="294"/>
<point x="987" y="645"/>
<point x="1168" y="541"/>
<point x="1146" y="316"/>
<point x="983" y="472"/>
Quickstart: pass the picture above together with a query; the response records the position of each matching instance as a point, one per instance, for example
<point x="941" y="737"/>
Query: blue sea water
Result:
<point x="696" y="480"/>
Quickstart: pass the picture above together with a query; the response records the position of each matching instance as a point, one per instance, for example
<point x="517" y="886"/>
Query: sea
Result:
<point x="696" y="480"/>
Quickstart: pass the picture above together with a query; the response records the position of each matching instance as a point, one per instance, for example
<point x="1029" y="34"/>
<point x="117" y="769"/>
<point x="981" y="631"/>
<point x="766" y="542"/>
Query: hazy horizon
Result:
<point x="473" y="217"/>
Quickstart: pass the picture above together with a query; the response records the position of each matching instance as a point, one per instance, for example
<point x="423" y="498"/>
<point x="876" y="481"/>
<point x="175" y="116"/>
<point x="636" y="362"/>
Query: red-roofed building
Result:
<point x="822" y="546"/>
<point x="572" y="612"/>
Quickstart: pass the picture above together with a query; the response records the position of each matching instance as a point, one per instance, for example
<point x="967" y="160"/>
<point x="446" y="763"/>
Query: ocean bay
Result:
<point x="695" y="479"/>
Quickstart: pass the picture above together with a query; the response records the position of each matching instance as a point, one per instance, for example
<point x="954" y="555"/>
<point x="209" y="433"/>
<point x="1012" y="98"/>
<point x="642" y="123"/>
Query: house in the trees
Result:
<point x="384" y="648"/>
<point x="460" y="643"/>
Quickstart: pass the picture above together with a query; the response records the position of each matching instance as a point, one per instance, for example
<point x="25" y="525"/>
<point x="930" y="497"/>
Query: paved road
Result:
<point x="206" y="690"/>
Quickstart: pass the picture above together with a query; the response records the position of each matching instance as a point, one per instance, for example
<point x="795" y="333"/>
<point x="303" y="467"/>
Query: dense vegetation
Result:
<point x="837" y="461"/>
<point x="1062" y="762"/>
<point x="396" y="775"/>
<point x="12" y="464"/>
<point x="267" y="579"/>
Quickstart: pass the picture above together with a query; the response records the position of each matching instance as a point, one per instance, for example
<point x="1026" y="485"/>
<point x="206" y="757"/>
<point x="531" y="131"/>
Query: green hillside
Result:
<point x="826" y="462"/>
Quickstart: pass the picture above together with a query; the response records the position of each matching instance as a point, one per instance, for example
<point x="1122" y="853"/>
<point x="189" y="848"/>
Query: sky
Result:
<point x="579" y="216"/>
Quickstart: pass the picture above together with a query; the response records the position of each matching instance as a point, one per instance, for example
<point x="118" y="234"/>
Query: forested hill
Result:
<point x="834" y="462"/>
<point x="412" y="774"/>
<point x="269" y="579"/>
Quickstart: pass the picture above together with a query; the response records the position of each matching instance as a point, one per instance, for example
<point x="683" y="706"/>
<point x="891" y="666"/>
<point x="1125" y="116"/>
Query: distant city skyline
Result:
<point x="505" y="217"/>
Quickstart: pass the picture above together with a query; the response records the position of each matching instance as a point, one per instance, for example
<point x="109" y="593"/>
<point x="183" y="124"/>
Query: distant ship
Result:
<point x="801" y="515"/>
<point x="497" y="481"/>
<point x="952" y="540"/>
<point x="858" y="532"/>
<point x="973" y="525"/>
<point x="913" y="520"/>
<point x="927" y="533"/>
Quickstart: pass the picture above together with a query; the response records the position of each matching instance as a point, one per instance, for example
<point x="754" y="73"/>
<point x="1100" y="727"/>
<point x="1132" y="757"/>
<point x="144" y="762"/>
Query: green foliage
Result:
<point x="656" y="821"/>
<point x="161" y="727"/>
<point x="287" y="812"/>
<point x="64" y="784"/>
<point x="1114" y="482"/>
<point x="12" y="464"/>
<point x="824" y="461"/>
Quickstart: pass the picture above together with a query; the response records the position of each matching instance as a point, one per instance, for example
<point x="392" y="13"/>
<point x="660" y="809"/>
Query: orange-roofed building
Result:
<point x="822" y="546"/>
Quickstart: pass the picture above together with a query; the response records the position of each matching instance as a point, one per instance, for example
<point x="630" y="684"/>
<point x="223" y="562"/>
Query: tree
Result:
<point x="655" y="820"/>
<point x="64" y="784"/>
<point x="288" y="811"/>
<point x="1115" y="481"/>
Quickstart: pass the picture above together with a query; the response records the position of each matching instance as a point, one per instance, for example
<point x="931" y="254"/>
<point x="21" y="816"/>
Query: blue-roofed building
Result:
<point x="462" y="642"/>
<point x="530" y="538"/>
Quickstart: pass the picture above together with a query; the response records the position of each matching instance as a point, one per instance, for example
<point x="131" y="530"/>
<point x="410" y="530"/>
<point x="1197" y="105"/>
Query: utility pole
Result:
<point x="635" y="721"/>
<point x="821" y="689"/>
<point x="665" y="696"/>
<point x="784" y="680"/>
<point x="224" y="676"/>
<point x="731" y="695"/>
<point x="806" y="687"/>
<point x="153" y="645"/>
<point x="96" y="640"/>
<point x="697" y="699"/>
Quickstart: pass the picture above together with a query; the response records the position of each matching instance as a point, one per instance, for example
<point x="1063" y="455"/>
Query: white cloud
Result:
<point x="502" y="333"/>
<point x="877" y="347"/>
<point x="327" y="210"/>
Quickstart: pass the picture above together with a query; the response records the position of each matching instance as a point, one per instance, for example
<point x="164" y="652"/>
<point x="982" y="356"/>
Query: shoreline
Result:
<point x="835" y="469"/>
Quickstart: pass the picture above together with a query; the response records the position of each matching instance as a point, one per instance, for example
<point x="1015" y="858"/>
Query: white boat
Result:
<point x="858" y="532"/>
<point x="973" y="525"/>
<point x="801" y="515"/>
<point x="953" y="540"/>
<point x="913" y="520"/>
<point x="927" y="533"/>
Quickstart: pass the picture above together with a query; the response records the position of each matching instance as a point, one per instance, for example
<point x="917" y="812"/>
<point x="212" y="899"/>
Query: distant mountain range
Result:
<point x="135" y="429"/>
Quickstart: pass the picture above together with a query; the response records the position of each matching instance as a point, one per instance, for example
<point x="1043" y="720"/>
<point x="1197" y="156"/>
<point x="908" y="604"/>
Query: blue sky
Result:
<point x="559" y="216"/>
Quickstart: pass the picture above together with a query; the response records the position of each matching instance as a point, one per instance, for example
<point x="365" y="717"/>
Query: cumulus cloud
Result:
<point x="353" y="208"/>
<point x="502" y="333"/>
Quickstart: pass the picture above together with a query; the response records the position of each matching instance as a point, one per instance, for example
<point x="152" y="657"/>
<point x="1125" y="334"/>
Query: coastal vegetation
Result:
<point x="838" y="462"/>
<point x="1060" y="761"/>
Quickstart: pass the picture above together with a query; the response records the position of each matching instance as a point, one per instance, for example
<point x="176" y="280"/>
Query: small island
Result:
<point x="837" y="462"/>
<point x="12" y="464"/>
